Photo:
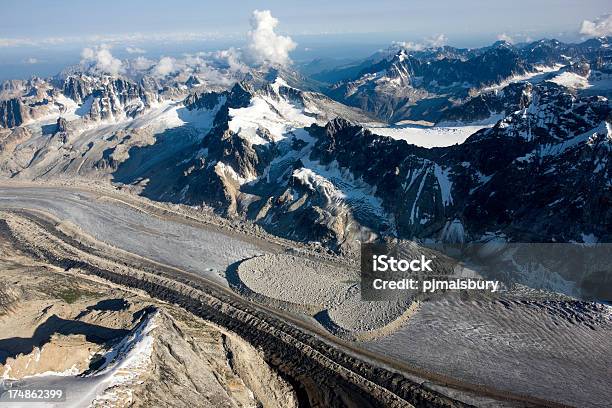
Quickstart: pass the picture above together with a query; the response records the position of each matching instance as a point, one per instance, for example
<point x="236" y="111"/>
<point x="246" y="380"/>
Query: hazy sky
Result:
<point x="403" y="18"/>
<point x="42" y="37"/>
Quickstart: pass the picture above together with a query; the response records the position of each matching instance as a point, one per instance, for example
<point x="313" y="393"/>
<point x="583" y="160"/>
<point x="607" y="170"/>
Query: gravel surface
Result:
<point x="543" y="346"/>
<point x="203" y="251"/>
<point x="553" y="349"/>
<point x="332" y="291"/>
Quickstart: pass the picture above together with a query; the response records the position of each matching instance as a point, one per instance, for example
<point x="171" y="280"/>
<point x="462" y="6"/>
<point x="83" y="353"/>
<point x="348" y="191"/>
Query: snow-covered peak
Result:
<point x="268" y="118"/>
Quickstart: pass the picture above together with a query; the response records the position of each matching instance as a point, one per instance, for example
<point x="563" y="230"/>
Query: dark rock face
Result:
<point x="581" y="68"/>
<point x="107" y="97"/>
<point x="552" y="51"/>
<point x="494" y="65"/>
<point x="481" y="107"/>
<point x="211" y="175"/>
<point x="149" y="84"/>
<point x="76" y="88"/>
<point x="544" y="163"/>
<point x="206" y="100"/>
<point x="62" y="125"/>
<point x="61" y="131"/>
<point x="225" y="148"/>
<point x="406" y="79"/>
<point x="193" y="81"/>
<point x="12" y="113"/>
<point x="240" y="95"/>
<point x="521" y="179"/>
<point x="423" y="85"/>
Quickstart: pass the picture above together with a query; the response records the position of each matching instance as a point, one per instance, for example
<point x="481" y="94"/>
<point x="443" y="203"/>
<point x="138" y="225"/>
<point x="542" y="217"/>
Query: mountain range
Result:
<point x="401" y="84"/>
<point x="332" y="158"/>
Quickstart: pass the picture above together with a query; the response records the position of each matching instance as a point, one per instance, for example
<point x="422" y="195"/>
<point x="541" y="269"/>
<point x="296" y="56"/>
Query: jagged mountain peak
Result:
<point x="502" y="44"/>
<point x="429" y="85"/>
<point x="268" y="149"/>
<point x="338" y="124"/>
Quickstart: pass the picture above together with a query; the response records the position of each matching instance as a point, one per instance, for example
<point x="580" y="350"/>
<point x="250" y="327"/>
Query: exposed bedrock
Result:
<point x="12" y="113"/>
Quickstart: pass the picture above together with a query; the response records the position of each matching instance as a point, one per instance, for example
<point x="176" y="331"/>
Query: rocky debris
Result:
<point x="11" y="138"/>
<point x="119" y="348"/>
<point x="208" y="365"/>
<point x="67" y="354"/>
<point x="290" y="279"/>
<point x="9" y="296"/>
<point x="320" y="374"/>
<point x="269" y="388"/>
<point x="13" y="87"/>
<point x="328" y="293"/>
<point x="581" y="68"/>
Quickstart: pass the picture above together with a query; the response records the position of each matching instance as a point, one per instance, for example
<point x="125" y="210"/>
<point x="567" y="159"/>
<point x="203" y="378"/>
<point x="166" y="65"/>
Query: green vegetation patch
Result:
<point x="72" y="294"/>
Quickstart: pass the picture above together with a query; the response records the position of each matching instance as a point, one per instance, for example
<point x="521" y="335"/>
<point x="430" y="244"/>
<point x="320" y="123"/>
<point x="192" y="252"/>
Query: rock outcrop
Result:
<point x="12" y="113"/>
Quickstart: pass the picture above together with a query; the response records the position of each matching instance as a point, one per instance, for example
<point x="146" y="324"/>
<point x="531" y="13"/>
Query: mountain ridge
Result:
<point x="305" y="166"/>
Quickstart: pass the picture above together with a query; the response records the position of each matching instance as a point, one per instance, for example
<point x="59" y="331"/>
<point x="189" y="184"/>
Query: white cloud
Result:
<point x="437" y="41"/>
<point x="430" y="42"/>
<point x="141" y="63"/>
<point x="135" y="50"/>
<point x="31" y="60"/>
<point x="14" y="42"/>
<point x="505" y="37"/>
<point x="100" y="59"/>
<point x="28" y="42"/>
<point x="233" y="58"/>
<point x="411" y="46"/>
<point x="165" y="66"/>
<point x="600" y="27"/>
<point x="265" y="46"/>
<point x="215" y="77"/>
<point x="219" y="68"/>
<point x="130" y="38"/>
